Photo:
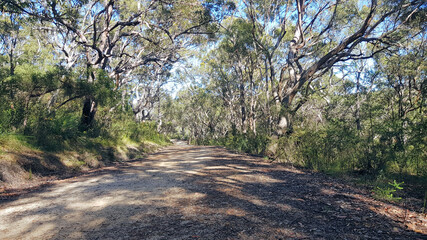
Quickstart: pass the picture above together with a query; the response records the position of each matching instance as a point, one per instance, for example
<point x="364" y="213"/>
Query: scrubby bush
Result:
<point x="247" y="142"/>
<point x="337" y="146"/>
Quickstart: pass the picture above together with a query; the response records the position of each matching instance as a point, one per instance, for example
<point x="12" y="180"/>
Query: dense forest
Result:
<point x="334" y="86"/>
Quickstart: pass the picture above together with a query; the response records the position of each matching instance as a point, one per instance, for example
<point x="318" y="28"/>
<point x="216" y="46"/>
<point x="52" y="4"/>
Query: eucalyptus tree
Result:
<point x="119" y="36"/>
<point x="203" y="114"/>
<point x="316" y="35"/>
<point x="146" y="89"/>
<point x="268" y="19"/>
<point x="10" y="38"/>
<point x="402" y="80"/>
<point x="223" y="82"/>
<point x="233" y="66"/>
<point x="29" y="67"/>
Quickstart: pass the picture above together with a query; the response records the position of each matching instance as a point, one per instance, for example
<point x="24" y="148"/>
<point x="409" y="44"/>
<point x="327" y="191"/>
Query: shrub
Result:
<point x="387" y="192"/>
<point x="246" y="142"/>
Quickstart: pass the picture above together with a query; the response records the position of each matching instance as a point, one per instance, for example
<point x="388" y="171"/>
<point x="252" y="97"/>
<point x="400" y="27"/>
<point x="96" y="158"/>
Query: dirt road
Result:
<point x="195" y="192"/>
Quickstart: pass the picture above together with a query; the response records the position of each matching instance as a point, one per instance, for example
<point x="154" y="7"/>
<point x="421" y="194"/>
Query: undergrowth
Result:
<point x="340" y="152"/>
<point x="56" y="147"/>
<point x="388" y="192"/>
<point x="248" y="143"/>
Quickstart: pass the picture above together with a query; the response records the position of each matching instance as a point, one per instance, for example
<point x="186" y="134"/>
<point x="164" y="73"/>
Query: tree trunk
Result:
<point x="243" y="108"/>
<point x="358" y="124"/>
<point x="88" y="113"/>
<point x="285" y="124"/>
<point x="26" y="106"/>
<point x="11" y="64"/>
<point x="295" y="81"/>
<point x="89" y="104"/>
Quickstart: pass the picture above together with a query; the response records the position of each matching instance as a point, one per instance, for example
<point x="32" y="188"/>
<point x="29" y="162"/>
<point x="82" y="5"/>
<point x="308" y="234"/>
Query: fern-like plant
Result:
<point x="387" y="192"/>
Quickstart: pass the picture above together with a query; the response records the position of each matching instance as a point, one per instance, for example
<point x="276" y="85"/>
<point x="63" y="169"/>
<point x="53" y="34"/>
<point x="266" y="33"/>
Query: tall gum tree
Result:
<point x="302" y="40"/>
<point x="326" y="33"/>
<point x="118" y="36"/>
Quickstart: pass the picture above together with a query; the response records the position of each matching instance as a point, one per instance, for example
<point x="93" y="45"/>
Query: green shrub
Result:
<point x="247" y="142"/>
<point x="135" y="131"/>
<point x="386" y="193"/>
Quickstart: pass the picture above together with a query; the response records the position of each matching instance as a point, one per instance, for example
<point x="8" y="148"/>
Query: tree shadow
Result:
<point x="43" y="164"/>
<point x="190" y="192"/>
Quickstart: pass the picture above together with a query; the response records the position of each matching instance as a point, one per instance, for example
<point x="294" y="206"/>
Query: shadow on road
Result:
<point x="191" y="192"/>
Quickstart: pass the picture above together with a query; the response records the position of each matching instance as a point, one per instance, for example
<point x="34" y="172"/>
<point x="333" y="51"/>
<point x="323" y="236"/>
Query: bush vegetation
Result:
<point x="40" y="127"/>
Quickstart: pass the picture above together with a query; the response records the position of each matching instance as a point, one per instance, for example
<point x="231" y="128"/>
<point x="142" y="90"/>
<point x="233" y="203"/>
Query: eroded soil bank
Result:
<point x="199" y="192"/>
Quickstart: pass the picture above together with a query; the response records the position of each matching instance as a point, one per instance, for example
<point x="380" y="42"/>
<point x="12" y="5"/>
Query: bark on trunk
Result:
<point x="285" y="124"/>
<point x="11" y="64"/>
<point x="358" y="124"/>
<point x="242" y="109"/>
<point x="88" y="113"/>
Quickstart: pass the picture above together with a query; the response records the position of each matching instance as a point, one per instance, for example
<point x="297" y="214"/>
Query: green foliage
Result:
<point x="326" y="148"/>
<point x="338" y="145"/>
<point x="386" y="193"/>
<point x="8" y="116"/>
<point x="248" y="143"/>
<point x="18" y="91"/>
<point x="135" y="131"/>
<point x="51" y="133"/>
<point x="363" y="117"/>
<point x="30" y="174"/>
<point x="30" y="111"/>
<point x="14" y="141"/>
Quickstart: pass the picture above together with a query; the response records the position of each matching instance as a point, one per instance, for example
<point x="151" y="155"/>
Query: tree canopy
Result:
<point x="325" y="84"/>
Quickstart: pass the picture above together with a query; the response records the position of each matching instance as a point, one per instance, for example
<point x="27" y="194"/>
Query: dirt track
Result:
<point x="192" y="192"/>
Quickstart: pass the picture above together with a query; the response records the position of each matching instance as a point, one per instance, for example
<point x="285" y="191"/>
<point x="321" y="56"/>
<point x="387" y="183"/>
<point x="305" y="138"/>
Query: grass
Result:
<point x="15" y="142"/>
<point x="384" y="184"/>
<point x="23" y="159"/>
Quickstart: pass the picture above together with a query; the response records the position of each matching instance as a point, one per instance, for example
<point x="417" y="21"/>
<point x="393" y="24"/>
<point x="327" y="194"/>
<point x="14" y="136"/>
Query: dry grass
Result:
<point x="22" y="165"/>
